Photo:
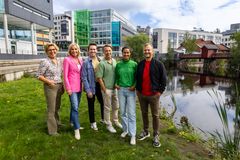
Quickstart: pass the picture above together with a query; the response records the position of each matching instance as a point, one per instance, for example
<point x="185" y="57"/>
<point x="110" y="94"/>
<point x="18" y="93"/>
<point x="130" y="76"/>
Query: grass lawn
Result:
<point x="23" y="132"/>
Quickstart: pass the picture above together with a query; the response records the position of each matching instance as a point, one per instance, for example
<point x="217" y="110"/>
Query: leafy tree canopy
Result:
<point x="136" y="43"/>
<point x="189" y="43"/>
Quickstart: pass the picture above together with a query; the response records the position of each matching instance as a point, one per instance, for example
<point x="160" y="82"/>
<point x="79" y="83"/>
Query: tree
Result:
<point x="169" y="57"/>
<point x="189" y="43"/>
<point x="136" y="43"/>
<point x="235" y="51"/>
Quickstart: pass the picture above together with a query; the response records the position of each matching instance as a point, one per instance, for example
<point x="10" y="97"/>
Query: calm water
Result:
<point x="194" y="102"/>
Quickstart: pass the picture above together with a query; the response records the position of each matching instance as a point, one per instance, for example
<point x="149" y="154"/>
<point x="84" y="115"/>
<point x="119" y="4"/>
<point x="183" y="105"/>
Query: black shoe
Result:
<point x="143" y="135"/>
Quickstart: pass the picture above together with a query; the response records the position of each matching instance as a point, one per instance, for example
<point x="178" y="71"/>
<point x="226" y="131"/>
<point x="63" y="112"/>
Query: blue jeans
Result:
<point x="127" y="103"/>
<point x="75" y="101"/>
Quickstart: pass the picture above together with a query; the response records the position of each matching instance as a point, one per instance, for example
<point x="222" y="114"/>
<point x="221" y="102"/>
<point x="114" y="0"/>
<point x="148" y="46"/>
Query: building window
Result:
<point x="172" y="39"/>
<point x="155" y="39"/>
<point x="115" y="34"/>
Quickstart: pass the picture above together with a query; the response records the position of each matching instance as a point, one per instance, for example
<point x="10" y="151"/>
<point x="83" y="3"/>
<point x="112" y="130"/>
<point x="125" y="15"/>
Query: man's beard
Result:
<point x="147" y="55"/>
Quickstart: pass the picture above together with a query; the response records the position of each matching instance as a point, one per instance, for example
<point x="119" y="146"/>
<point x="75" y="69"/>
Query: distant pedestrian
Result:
<point x="125" y="83"/>
<point x="151" y="82"/>
<point x="72" y="67"/>
<point x="91" y="86"/>
<point x="50" y="73"/>
<point x="106" y="77"/>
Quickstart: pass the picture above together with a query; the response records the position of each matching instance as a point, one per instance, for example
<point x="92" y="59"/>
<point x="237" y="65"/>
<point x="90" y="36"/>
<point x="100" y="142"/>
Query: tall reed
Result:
<point x="227" y="141"/>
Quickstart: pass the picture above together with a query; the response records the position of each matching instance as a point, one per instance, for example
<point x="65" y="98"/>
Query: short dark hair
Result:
<point x="126" y="47"/>
<point x="107" y="45"/>
<point x="91" y="44"/>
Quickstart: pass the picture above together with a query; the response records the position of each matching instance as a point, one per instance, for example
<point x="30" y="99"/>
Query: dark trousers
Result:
<point x="154" y="103"/>
<point x="91" y="101"/>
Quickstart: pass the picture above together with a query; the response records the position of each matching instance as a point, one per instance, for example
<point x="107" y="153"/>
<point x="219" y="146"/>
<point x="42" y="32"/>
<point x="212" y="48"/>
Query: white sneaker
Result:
<point x="124" y="134"/>
<point x="94" y="126"/>
<point x="111" y="129"/>
<point x="77" y="134"/>
<point x="102" y="121"/>
<point x="118" y="124"/>
<point x="72" y="125"/>
<point x="133" y="140"/>
<point x="81" y="128"/>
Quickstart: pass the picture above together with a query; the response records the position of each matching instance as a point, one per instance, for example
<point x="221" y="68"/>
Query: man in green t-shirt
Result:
<point x="106" y="77"/>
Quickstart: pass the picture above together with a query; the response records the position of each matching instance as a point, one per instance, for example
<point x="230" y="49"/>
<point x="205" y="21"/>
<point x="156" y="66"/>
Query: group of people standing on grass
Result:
<point x="113" y="83"/>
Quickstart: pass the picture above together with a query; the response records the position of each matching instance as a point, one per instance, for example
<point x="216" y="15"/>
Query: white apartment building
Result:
<point x="226" y="39"/>
<point x="166" y="37"/>
<point x="63" y="30"/>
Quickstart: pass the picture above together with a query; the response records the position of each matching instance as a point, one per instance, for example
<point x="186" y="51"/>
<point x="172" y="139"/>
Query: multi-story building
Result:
<point x="63" y="30"/>
<point x="164" y="38"/>
<point x="19" y="21"/>
<point x="226" y="39"/>
<point x="98" y="26"/>
<point x="146" y="31"/>
<point x="43" y="38"/>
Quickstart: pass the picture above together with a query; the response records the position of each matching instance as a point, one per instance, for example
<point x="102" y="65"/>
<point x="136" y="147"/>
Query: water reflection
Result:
<point x="193" y="100"/>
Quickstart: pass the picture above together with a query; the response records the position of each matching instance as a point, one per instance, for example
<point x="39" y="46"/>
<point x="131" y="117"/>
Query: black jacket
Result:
<point x="157" y="75"/>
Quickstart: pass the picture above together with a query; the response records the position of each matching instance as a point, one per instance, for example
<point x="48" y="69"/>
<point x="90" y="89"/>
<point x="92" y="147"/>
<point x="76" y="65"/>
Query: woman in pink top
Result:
<point x="72" y="67"/>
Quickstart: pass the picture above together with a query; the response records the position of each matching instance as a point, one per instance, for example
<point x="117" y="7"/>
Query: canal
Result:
<point x="192" y="94"/>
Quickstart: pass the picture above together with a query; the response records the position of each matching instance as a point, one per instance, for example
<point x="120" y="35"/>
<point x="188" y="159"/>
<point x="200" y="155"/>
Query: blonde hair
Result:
<point x="49" y="45"/>
<point x="147" y="44"/>
<point x="70" y="47"/>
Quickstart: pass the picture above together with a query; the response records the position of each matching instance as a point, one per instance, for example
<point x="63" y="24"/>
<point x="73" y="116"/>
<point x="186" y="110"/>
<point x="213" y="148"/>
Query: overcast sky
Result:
<point x="176" y="14"/>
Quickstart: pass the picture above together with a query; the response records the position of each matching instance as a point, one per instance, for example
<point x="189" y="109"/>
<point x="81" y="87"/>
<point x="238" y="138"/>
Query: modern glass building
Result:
<point x="19" y="22"/>
<point x="101" y="27"/>
<point x="82" y="27"/>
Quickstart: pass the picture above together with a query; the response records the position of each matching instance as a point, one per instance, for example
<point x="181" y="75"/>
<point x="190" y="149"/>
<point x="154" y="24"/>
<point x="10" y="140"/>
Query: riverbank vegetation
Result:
<point x="227" y="141"/>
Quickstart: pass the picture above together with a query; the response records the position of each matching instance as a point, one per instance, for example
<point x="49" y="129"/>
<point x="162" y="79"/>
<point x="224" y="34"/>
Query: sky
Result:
<point x="177" y="14"/>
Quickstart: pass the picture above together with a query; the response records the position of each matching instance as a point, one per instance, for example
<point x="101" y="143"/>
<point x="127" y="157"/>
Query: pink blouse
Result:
<point x="72" y="74"/>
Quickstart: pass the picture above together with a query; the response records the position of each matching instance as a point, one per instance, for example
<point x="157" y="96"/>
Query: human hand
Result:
<point x="104" y="89"/>
<point x="69" y="92"/>
<point x="51" y="83"/>
<point x="117" y="87"/>
<point x="89" y="95"/>
<point x="131" y="88"/>
<point x="158" y="94"/>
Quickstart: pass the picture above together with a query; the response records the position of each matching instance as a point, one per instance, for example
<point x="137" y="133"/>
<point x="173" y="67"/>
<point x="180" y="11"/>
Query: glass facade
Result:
<point x="180" y="38"/>
<point x="116" y="34"/>
<point x="2" y="8"/>
<point x="100" y="27"/>
<point x="1" y="30"/>
<point x="64" y="27"/>
<point x="155" y="40"/>
<point x="15" y="32"/>
<point x="82" y="27"/>
<point x="172" y="39"/>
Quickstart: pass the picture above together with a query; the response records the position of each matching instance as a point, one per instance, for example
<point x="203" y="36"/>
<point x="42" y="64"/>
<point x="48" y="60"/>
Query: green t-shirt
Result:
<point x="125" y="73"/>
<point x="106" y="71"/>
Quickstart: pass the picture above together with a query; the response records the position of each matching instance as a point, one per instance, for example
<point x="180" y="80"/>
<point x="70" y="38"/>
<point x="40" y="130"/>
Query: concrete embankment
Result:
<point x="14" y="69"/>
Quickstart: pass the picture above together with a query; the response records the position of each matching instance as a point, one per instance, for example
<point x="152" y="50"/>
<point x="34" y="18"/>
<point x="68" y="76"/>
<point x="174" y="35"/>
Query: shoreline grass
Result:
<point x="23" y="132"/>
